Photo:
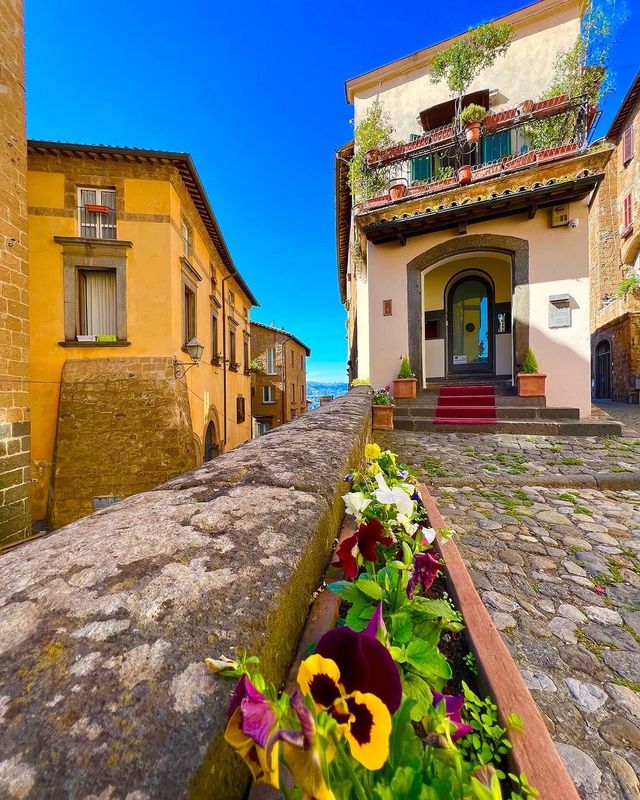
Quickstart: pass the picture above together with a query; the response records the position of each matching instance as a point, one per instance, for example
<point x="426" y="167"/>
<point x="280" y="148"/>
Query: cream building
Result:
<point x="465" y="277"/>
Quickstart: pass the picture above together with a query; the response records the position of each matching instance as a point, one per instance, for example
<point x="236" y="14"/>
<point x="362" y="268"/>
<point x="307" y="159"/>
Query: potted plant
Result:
<point x="464" y="174"/>
<point x="405" y="384"/>
<point x="397" y="188"/>
<point x="530" y="381"/>
<point x="382" y="410"/>
<point x="471" y="118"/>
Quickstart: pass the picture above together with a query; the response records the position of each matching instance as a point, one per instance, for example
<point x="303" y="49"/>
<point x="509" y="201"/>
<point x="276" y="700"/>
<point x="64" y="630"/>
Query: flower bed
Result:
<point x="373" y="714"/>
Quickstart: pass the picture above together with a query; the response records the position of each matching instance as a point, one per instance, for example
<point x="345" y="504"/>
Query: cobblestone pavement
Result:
<point x="626" y="413"/>
<point x="559" y="572"/>
<point x="458" y="455"/>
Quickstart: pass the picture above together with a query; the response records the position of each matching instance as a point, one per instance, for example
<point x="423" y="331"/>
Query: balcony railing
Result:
<point x="432" y="163"/>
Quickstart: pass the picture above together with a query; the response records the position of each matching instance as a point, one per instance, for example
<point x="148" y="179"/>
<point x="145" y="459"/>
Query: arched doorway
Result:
<point x="211" y="445"/>
<point x="603" y="370"/>
<point x="470" y="334"/>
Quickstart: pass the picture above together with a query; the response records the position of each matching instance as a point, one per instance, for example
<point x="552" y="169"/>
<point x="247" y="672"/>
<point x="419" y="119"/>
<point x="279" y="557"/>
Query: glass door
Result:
<point x="470" y="329"/>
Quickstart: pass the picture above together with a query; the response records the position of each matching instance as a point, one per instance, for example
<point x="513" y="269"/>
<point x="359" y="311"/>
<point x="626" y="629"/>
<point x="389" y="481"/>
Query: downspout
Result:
<point x="284" y="378"/>
<point x="224" y="360"/>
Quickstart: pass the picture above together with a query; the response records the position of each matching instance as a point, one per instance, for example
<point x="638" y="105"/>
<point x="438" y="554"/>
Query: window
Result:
<point x="232" y="300"/>
<point x="271" y="361"/>
<point x="268" y="394"/>
<point x="214" y="336"/>
<point x="185" y="231"/>
<point x="213" y="278"/>
<point x="293" y="393"/>
<point x="302" y="393"/>
<point x="627" y="145"/>
<point x="97" y="213"/>
<point x="262" y="426"/>
<point x="245" y="354"/>
<point x="232" y="350"/>
<point x="496" y="146"/>
<point x="240" y="409"/>
<point x="627" y="225"/>
<point x="301" y="361"/>
<point x="188" y="314"/>
<point x="97" y="302"/>
<point x="292" y="358"/>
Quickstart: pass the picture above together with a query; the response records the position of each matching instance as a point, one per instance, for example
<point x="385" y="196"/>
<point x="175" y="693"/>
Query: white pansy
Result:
<point x="428" y="535"/>
<point x="395" y="496"/>
<point x="355" y="503"/>
<point x="405" y="521"/>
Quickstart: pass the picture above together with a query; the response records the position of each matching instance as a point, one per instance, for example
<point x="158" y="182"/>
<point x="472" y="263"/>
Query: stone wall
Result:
<point x="15" y="501"/>
<point x="123" y="427"/>
<point x="104" y="625"/>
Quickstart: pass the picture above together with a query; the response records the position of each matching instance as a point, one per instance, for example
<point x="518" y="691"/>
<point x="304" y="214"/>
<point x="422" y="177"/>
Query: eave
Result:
<point x="631" y="99"/>
<point x="343" y="215"/>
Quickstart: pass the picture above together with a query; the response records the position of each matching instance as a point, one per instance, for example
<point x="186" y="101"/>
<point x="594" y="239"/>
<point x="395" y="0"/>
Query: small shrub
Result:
<point x="381" y="397"/>
<point x="405" y="368"/>
<point x="529" y="363"/>
<point x="472" y="113"/>
<point x="360" y="382"/>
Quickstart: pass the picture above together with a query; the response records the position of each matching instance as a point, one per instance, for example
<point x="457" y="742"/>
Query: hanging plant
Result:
<point x="375" y="132"/>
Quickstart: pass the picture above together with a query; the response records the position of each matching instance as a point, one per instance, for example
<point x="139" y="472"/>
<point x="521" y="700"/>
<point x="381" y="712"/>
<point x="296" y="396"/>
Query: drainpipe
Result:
<point x="284" y="378"/>
<point x="224" y="359"/>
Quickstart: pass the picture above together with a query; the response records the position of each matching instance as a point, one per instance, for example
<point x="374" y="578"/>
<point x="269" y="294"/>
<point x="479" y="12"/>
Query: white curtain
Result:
<point x="100" y="302"/>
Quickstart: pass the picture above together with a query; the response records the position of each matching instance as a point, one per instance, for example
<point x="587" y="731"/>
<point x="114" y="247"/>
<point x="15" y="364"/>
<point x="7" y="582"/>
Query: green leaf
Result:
<point x="428" y="661"/>
<point x="401" y="628"/>
<point x="369" y="588"/>
<point x="359" y="614"/>
<point x="417" y="689"/>
<point x="346" y="590"/>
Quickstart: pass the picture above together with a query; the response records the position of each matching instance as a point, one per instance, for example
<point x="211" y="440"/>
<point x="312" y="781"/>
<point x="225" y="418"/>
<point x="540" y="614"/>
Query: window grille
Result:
<point x="271" y="361"/>
<point x="97" y="213"/>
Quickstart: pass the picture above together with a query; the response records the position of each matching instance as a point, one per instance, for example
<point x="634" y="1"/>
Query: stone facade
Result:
<point x="614" y="245"/>
<point x="15" y="496"/>
<point x="112" y="617"/>
<point x="123" y="427"/>
<point x="283" y="380"/>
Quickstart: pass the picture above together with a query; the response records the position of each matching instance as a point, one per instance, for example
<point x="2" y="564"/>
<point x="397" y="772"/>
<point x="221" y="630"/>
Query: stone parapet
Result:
<point x="104" y="624"/>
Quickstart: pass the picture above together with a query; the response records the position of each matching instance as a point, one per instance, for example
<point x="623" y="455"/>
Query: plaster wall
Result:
<point x="558" y="264"/>
<point x="537" y="43"/>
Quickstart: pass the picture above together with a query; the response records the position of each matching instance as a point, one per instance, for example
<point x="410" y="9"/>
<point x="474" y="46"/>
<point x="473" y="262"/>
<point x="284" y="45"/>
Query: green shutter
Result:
<point x="420" y="167"/>
<point x="496" y="146"/>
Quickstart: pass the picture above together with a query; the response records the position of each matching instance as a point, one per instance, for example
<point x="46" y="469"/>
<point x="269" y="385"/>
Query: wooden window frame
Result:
<point x="268" y="389"/>
<point x="627" y="145"/>
<point x="98" y="219"/>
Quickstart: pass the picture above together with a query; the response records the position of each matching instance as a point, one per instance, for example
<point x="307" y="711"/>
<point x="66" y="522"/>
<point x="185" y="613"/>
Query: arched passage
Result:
<point x="516" y="251"/>
<point x="603" y="370"/>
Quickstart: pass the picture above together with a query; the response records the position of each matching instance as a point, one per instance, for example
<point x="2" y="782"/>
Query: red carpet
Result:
<point x="465" y="405"/>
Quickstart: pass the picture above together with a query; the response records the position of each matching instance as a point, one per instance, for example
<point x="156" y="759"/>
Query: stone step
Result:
<point x="429" y="399"/>
<point x="533" y="427"/>
<point x="501" y="412"/>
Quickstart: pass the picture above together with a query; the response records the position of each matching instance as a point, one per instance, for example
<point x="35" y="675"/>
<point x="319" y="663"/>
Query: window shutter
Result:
<point x="420" y="167"/>
<point x="496" y="146"/>
<point x="628" y="212"/>
<point x="627" y="145"/>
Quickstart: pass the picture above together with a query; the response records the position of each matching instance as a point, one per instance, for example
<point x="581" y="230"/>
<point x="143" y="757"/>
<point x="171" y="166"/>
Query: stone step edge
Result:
<point x="600" y="481"/>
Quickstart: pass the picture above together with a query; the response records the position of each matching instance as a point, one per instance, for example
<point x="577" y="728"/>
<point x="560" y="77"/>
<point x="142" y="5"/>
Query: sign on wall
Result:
<point x="559" y="311"/>
<point x="386" y="308"/>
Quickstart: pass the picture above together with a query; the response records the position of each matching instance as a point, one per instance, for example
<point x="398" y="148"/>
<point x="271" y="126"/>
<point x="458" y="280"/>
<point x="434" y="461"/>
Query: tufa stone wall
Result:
<point x="15" y="502"/>
<point x="124" y="426"/>
<point x="104" y="625"/>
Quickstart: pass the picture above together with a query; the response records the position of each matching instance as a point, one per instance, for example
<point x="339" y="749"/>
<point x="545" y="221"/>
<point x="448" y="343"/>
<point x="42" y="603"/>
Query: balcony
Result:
<point x="439" y="179"/>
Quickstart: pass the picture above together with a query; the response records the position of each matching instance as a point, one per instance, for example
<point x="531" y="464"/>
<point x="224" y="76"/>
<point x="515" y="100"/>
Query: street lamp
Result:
<point x="195" y="349"/>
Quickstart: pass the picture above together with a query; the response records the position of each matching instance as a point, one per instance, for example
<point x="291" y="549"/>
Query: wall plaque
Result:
<point x="386" y="308"/>
<point x="559" y="311"/>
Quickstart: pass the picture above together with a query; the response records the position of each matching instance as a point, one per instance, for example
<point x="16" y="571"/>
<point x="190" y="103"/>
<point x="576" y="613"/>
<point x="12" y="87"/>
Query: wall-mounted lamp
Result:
<point x="195" y="350"/>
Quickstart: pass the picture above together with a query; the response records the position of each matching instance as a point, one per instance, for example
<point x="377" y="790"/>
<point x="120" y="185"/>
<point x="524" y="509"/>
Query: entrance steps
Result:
<point x="456" y="408"/>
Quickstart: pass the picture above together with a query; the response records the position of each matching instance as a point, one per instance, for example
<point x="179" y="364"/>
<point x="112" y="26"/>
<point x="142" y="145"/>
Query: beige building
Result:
<point x="15" y="496"/>
<point x="279" y="379"/>
<point x="466" y="272"/>
<point x="614" y="228"/>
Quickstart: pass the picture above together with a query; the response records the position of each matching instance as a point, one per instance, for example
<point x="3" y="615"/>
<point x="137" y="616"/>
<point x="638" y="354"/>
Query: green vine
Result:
<point x="374" y="132"/>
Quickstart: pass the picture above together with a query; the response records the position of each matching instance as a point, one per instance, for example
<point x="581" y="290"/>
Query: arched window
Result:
<point x="211" y="445"/>
<point x="603" y="370"/>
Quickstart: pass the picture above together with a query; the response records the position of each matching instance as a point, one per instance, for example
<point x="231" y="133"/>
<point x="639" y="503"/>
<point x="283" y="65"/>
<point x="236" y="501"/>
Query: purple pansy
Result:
<point x="453" y="707"/>
<point x="258" y="716"/>
<point x="425" y="569"/>
<point x="376" y="627"/>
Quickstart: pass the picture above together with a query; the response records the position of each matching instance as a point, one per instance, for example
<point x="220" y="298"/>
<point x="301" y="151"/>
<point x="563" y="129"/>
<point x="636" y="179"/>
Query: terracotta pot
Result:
<point x="464" y="175"/>
<point x="397" y="191"/>
<point x="382" y="417"/>
<point x="472" y="132"/>
<point x="404" y="387"/>
<point x="531" y="384"/>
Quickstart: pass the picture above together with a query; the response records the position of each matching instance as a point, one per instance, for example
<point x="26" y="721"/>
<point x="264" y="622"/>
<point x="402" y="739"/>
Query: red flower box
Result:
<point x="97" y="209"/>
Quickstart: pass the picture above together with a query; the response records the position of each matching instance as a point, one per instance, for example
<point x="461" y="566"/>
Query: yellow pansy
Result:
<point x="372" y="451"/>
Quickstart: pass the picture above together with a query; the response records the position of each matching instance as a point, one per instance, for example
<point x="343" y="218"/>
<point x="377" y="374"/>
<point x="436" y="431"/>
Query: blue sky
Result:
<point x="255" y="92"/>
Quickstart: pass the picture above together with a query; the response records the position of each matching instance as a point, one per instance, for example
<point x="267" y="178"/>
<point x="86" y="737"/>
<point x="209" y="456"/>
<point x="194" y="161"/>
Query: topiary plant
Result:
<point x="472" y="113"/>
<point x="405" y="368"/>
<point x="529" y="364"/>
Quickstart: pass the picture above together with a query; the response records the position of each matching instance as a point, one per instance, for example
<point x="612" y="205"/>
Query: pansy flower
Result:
<point x="301" y="753"/>
<point x="424" y="571"/>
<point x="453" y="708"/>
<point x="251" y="721"/>
<point x="363" y="541"/>
<point x="395" y="496"/>
<point x="353" y="678"/>
<point x="355" y="503"/>
<point x="372" y="451"/>
<point x="376" y="627"/>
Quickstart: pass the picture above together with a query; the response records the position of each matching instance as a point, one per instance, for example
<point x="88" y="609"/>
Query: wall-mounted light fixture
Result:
<point x="195" y="350"/>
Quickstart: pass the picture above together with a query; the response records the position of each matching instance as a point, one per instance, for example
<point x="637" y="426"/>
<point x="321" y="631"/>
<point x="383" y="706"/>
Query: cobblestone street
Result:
<point x="558" y="568"/>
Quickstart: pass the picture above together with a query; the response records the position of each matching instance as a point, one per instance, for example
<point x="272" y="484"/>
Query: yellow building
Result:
<point x="128" y="265"/>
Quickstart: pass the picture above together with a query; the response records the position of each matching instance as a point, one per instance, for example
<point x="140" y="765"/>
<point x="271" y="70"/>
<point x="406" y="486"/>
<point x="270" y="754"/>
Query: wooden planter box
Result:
<point x="531" y="384"/>
<point x="382" y="417"/>
<point x="404" y="387"/>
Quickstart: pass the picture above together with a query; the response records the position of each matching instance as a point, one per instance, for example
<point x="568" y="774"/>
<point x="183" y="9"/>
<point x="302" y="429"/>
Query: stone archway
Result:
<point x="517" y="249"/>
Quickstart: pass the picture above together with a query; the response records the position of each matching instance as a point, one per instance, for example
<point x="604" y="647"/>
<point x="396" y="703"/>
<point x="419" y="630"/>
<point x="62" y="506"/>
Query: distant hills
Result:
<point x="315" y="390"/>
